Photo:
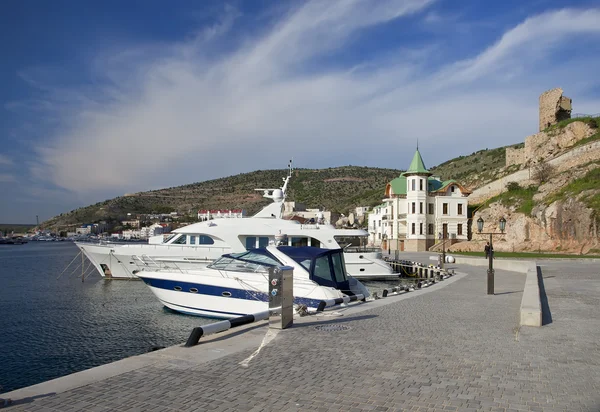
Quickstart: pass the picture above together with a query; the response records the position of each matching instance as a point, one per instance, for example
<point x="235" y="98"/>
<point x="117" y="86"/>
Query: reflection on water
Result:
<point x="51" y="327"/>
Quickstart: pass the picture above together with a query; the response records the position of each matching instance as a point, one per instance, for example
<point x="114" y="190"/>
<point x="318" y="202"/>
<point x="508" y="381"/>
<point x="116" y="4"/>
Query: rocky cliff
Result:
<point x="553" y="203"/>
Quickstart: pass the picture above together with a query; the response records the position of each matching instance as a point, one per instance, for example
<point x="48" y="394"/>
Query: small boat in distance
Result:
<point x="238" y="283"/>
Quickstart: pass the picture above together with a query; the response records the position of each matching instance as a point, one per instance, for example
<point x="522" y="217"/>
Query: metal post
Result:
<point x="490" y="279"/>
<point x="444" y="251"/>
<point x="281" y="297"/>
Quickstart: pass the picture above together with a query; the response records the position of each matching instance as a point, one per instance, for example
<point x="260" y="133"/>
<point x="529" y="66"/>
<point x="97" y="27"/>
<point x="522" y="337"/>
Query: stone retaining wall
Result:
<point x="531" y="303"/>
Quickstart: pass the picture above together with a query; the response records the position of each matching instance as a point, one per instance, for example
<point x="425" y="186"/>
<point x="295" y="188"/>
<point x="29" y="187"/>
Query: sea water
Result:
<point x="51" y="326"/>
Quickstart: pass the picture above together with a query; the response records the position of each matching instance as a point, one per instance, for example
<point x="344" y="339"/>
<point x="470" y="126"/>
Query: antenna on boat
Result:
<point x="287" y="178"/>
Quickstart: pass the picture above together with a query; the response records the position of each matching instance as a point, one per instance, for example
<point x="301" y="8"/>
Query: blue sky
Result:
<point x="105" y="98"/>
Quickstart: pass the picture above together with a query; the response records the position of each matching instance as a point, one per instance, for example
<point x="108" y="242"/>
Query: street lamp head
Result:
<point x="502" y="224"/>
<point x="479" y="224"/>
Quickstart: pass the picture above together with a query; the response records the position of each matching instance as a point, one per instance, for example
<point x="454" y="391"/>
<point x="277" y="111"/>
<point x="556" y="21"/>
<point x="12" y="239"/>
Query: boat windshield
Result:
<point x="326" y="266"/>
<point x="256" y="260"/>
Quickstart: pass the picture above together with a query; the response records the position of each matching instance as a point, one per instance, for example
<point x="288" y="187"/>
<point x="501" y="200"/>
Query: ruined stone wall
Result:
<point x="515" y="156"/>
<point x="554" y="107"/>
<point x="573" y="158"/>
<point x="546" y="145"/>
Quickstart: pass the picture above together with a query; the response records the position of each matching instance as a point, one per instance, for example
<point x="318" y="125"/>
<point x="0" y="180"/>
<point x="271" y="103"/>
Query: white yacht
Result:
<point x="238" y="283"/>
<point x="200" y="243"/>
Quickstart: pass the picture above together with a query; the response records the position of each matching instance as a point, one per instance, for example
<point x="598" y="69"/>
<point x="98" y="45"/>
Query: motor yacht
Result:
<point x="238" y="283"/>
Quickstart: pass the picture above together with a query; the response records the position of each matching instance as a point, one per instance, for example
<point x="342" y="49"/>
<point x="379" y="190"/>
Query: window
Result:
<point x="413" y="183"/>
<point x="299" y="241"/>
<point x="420" y="228"/>
<point x="181" y="240"/>
<point x="430" y="229"/>
<point x="421" y="207"/>
<point x="430" y="208"/>
<point x="250" y="242"/>
<point x="413" y="228"/>
<point x="192" y="240"/>
<point x="322" y="272"/>
<point x="263" y="241"/>
<point x="452" y="188"/>
<point x="420" y="184"/>
<point x="459" y="229"/>
<point x="205" y="240"/>
<point x="445" y="208"/>
<point x="338" y="267"/>
<point x="314" y="242"/>
<point x="380" y="223"/>
<point x="413" y="208"/>
<point x="460" y="209"/>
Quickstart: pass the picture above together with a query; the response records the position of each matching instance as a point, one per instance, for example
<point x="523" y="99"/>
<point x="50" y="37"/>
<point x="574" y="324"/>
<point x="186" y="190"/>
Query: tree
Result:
<point x="542" y="172"/>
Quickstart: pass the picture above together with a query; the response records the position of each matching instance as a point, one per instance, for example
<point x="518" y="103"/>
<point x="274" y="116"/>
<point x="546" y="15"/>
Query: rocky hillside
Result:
<point x="549" y="193"/>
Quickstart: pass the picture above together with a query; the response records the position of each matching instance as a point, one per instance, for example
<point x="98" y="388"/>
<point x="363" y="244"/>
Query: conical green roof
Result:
<point x="417" y="165"/>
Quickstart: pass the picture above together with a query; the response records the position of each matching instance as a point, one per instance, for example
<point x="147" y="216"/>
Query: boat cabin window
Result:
<point x="181" y="240"/>
<point x="337" y="261"/>
<point x="251" y="242"/>
<point x="350" y="241"/>
<point x="322" y="271"/>
<point x="192" y="240"/>
<point x="299" y="241"/>
<point x="205" y="240"/>
<point x="168" y="238"/>
<point x="314" y="242"/>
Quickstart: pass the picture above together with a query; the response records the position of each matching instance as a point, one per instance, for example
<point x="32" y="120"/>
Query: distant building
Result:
<point x="132" y="223"/>
<point x="89" y="228"/>
<point x="152" y="230"/>
<point x="419" y="210"/>
<point x="221" y="214"/>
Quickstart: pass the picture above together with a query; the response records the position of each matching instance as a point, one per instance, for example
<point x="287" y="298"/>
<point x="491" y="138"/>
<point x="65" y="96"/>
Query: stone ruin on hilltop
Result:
<point x="546" y="144"/>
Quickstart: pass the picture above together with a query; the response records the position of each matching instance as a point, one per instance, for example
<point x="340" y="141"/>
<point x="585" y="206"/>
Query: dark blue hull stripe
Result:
<point x="216" y="312"/>
<point x="210" y="290"/>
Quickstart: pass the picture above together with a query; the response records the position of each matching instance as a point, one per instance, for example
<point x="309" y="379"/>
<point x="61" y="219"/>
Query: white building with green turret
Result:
<point x="419" y="210"/>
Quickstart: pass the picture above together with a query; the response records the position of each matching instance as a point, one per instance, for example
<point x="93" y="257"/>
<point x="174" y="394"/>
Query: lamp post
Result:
<point x="490" y="272"/>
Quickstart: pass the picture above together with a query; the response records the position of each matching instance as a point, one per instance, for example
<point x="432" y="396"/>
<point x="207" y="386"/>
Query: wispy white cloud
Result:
<point x="173" y="114"/>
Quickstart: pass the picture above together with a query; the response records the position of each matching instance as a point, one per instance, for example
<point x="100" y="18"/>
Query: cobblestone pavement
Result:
<point x="454" y="349"/>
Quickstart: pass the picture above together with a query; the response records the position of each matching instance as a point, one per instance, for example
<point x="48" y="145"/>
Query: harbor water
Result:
<point x="53" y="325"/>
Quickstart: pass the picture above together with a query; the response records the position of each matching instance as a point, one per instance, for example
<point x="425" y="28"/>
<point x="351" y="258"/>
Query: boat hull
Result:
<point x="224" y="297"/>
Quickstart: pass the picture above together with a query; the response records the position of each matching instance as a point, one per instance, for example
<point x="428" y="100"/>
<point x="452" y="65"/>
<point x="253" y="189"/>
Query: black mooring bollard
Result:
<point x="194" y="337"/>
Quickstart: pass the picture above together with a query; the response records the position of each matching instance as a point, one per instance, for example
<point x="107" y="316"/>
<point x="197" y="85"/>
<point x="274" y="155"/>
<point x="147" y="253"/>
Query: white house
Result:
<point x="152" y="230"/>
<point x="418" y="210"/>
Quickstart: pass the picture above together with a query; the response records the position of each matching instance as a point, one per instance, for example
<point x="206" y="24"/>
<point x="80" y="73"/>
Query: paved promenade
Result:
<point x="450" y="347"/>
